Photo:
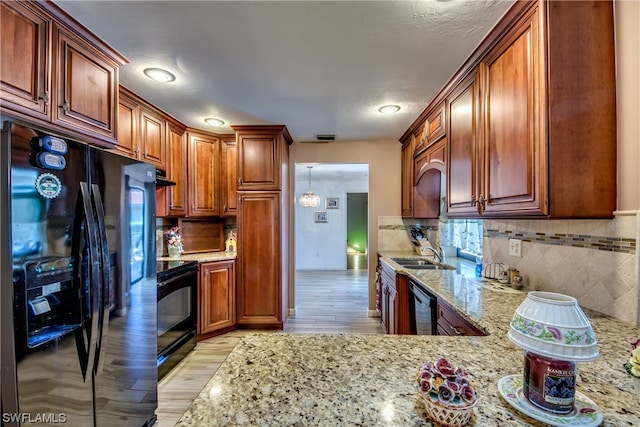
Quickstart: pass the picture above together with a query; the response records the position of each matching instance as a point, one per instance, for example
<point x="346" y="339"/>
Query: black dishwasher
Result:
<point x="424" y="310"/>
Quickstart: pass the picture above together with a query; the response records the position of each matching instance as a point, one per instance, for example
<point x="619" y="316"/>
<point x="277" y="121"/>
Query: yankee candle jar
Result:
<point x="549" y="384"/>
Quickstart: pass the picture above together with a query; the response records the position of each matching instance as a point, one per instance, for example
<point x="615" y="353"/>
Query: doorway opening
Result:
<point x="321" y="232"/>
<point x="357" y="227"/>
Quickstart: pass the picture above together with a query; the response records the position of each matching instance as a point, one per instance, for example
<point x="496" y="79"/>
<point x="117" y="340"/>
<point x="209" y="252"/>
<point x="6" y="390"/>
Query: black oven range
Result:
<point x="177" y="311"/>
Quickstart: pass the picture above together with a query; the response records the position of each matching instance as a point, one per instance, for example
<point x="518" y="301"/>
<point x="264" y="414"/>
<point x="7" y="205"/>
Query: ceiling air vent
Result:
<point x="321" y="139"/>
<point x="326" y="138"/>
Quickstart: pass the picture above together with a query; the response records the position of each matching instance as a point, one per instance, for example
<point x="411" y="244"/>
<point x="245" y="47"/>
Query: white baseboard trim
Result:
<point x="374" y="313"/>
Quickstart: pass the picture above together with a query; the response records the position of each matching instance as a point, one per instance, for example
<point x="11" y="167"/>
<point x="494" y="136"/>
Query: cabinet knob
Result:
<point x="45" y="98"/>
<point x="65" y="107"/>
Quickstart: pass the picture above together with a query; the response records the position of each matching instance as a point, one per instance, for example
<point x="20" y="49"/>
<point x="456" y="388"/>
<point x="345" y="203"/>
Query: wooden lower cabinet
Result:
<point x="451" y="323"/>
<point x="394" y="301"/>
<point x="217" y="298"/>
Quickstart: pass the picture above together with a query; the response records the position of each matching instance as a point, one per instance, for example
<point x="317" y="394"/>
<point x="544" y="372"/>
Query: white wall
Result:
<point x="323" y="246"/>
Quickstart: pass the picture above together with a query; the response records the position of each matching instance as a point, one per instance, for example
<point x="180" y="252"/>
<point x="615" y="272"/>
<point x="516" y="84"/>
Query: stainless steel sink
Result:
<point x="421" y="264"/>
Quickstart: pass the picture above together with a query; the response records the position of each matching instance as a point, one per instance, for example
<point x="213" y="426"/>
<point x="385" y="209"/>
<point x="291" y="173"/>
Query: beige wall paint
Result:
<point x="384" y="159"/>
<point x="627" y="18"/>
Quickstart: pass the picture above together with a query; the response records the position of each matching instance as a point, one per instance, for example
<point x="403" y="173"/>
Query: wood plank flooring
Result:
<point x="326" y="301"/>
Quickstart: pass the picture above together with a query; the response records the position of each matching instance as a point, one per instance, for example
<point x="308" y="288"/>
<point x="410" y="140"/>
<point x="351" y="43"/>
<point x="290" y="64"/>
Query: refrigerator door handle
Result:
<point x="86" y="343"/>
<point x="105" y="280"/>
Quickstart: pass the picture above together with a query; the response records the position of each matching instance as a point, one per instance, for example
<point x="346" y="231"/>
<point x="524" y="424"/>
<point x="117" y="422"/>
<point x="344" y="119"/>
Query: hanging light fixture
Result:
<point x="310" y="199"/>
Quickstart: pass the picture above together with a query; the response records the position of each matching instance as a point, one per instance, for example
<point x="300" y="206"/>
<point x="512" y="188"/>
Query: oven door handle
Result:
<point x="170" y="285"/>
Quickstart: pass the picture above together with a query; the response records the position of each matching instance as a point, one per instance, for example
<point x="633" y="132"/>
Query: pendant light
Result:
<point x="310" y="199"/>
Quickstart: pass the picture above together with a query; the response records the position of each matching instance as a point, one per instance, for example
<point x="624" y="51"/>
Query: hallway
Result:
<point x="332" y="301"/>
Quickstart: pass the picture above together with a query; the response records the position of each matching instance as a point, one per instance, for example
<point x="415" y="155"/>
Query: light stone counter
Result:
<point x="201" y="257"/>
<point x="329" y="380"/>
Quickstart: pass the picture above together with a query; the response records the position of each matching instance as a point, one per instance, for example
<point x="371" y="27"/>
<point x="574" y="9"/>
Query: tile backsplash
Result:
<point x="595" y="261"/>
<point x="393" y="232"/>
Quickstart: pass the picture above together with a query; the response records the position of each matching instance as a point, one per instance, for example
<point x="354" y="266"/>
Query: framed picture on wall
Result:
<point x="320" y="216"/>
<point x="332" y="203"/>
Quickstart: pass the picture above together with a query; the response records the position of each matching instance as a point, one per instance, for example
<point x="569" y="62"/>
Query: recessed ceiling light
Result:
<point x="214" y="122"/>
<point x="159" y="75"/>
<point x="389" y="109"/>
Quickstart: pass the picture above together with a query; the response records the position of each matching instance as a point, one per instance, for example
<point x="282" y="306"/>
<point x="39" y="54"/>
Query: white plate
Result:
<point x="586" y="413"/>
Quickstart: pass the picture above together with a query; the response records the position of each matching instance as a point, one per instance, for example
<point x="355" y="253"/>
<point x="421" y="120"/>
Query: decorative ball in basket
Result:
<point x="448" y="392"/>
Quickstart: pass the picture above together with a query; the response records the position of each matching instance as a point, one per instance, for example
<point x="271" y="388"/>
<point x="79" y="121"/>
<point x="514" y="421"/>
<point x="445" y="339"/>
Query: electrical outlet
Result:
<point x="515" y="247"/>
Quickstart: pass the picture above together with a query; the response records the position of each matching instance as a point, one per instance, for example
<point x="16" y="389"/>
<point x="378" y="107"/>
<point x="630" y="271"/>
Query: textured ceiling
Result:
<point x="318" y="67"/>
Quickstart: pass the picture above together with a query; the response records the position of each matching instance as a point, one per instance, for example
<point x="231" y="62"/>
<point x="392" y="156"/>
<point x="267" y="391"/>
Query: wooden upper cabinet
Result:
<point x="229" y="191"/>
<point x="433" y="129"/>
<point x="87" y="85"/>
<point x="56" y="73"/>
<point x="171" y="201"/>
<point x="531" y="116"/>
<point x="260" y="156"/>
<point x="24" y="68"/>
<point x="407" y="178"/>
<point x="152" y="134"/>
<point x="203" y="174"/>
<point x="463" y="106"/>
<point x="428" y="168"/>
<point x="514" y="148"/>
<point x="128" y="117"/>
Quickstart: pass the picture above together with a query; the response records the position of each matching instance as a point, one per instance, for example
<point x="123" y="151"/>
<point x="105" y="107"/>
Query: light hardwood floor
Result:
<point x="326" y="301"/>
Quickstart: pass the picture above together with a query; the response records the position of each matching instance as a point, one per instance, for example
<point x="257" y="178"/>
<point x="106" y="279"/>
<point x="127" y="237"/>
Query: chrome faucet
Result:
<point x="437" y="251"/>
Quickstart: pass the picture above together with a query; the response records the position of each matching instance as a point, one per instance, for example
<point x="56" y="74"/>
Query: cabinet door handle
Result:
<point x="45" y="98"/>
<point x="457" y="330"/>
<point x="482" y="201"/>
<point x="473" y="200"/>
<point x="65" y="107"/>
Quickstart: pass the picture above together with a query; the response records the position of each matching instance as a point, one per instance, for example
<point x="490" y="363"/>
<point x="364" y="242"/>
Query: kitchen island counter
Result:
<point x="275" y="379"/>
<point x="348" y="379"/>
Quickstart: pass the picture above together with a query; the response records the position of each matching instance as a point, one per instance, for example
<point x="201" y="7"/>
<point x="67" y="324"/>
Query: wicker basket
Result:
<point x="454" y="416"/>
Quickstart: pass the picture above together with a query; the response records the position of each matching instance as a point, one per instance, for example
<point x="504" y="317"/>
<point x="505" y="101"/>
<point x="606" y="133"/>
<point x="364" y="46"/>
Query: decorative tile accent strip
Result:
<point x="406" y="227"/>
<point x="603" y="243"/>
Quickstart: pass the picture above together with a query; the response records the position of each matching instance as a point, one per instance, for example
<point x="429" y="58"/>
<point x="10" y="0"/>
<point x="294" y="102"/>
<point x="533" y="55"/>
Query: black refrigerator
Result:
<point x="78" y="283"/>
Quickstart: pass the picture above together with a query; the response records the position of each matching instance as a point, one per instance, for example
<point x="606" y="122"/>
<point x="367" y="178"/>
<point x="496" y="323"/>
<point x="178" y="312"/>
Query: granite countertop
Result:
<point x="201" y="257"/>
<point x="355" y="379"/>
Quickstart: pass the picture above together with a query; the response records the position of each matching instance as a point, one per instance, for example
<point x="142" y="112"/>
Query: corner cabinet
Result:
<point x="217" y="300"/>
<point x="263" y="226"/>
<point x="58" y="74"/>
